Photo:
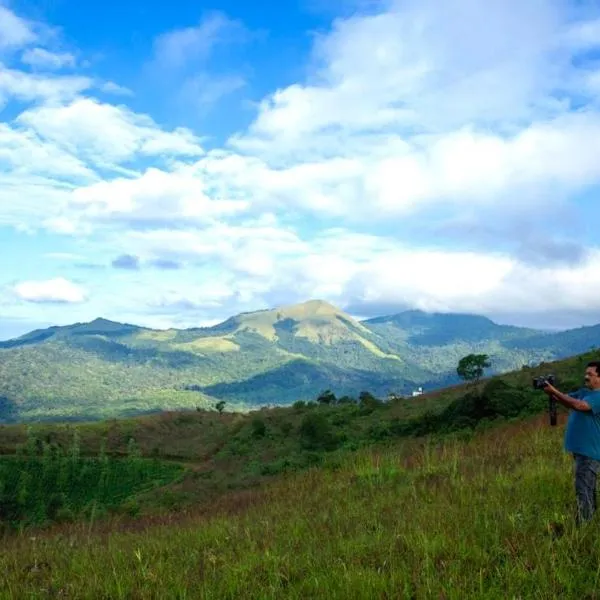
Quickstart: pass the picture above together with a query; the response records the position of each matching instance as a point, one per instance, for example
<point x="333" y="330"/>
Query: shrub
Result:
<point x="316" y="433"/>
<point x="259" y="429"/>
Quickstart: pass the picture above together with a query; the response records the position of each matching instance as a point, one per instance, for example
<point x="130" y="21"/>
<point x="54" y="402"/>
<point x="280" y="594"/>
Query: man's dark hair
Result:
<point x="595" y="364"/>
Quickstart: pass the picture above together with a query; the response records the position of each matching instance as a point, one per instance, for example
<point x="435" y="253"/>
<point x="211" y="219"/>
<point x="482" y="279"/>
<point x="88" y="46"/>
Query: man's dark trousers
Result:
<point x="586" y="471"/>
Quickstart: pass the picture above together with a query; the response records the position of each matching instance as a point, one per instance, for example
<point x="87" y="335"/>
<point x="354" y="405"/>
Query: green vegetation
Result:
<point x="102" y="369"/>
<point x="363" y="505"/>
<point x="489" y="516"/>
<point x="44" y="482"/>
<point x="229" y="450"/>
<point x="472" y="366"/>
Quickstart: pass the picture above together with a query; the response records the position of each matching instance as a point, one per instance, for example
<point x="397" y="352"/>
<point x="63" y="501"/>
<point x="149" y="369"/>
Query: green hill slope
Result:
<point x="397" y="522"/>
<point x="391" y="518"/>
<point x="102" y="368"/>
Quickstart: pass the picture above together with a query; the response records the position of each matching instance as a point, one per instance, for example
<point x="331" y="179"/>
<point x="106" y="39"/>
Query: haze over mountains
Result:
<point x="104" y="369"/>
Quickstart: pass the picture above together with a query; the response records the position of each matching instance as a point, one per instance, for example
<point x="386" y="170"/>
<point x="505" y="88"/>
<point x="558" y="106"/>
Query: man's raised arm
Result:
<point x="566" y="400"/>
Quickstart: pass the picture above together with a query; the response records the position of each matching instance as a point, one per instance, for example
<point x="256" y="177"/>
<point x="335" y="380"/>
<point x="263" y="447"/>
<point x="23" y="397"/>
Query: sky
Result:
<point x="171" y="164"/>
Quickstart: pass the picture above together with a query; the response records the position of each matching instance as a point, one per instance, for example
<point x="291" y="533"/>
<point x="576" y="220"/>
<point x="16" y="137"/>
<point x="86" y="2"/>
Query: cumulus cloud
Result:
<point x="155" y="198"/>
<point x="408" y="108"/>
<point x="41" y="58"/>
<point x="27" y="87"/>
<point x="415" y="116"/>
<point x="125" y="134"/>
<point x="58" y="290"/>
<point x="24" y="152"/>
<point x="54" y="152"/>
<point x="15" y="31"/>
<point x="365" y="274"/>
<point x="426" y="65"/>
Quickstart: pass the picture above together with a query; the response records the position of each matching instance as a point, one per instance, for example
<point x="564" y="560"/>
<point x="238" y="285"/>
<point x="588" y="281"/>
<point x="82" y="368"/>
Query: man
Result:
<point x="582" y="437"/>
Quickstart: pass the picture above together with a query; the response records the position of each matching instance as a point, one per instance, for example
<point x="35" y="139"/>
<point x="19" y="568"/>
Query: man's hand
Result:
<point x="566" y="400"/>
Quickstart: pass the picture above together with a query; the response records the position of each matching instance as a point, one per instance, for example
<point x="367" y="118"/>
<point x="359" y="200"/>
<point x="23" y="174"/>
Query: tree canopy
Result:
<point x="472" y="366"/>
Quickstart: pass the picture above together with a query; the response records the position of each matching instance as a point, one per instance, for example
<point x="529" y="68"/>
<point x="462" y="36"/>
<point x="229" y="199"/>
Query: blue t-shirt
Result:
<point x="582" y="435"/>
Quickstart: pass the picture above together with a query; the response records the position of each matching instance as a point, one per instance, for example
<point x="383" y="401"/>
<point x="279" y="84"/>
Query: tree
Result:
<point x="220" y="406"/>
<point x="471" y="367"/>
<point x="327" y="397"/>
<point x="368" y="403"/>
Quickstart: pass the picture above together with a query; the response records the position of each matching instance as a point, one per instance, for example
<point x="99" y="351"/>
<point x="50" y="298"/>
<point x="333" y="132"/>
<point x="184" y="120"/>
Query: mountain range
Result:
<point x="107" y="369"/>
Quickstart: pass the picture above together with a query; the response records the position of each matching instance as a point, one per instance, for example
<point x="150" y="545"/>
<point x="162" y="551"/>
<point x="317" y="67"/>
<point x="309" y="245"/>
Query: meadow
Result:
<point x="466" y="493"/>
<point x="480" y="515"/>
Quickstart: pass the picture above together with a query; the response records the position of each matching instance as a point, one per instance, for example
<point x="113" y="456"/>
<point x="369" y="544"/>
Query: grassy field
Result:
<point x="343" y="500"/>
<point x="486" y="516"/>
<point x="232" y="451"/>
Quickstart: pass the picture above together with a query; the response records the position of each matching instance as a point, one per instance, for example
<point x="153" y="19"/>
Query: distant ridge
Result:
<point x="278" y="355"/>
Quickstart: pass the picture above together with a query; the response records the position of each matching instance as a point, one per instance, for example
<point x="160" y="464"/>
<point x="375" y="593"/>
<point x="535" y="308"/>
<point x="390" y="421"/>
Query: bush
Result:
<point x="503" y="400"/>
<point x="316" y="433"/>
<point x="378" y="432"/>
<point x="346" y="400"/>
<point x="259" y="429"/>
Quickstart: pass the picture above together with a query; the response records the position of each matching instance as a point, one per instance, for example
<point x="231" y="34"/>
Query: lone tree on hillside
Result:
<point x="471" y="367"/>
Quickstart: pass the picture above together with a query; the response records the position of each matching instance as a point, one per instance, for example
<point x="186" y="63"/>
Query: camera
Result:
<point x="539" y="383"/>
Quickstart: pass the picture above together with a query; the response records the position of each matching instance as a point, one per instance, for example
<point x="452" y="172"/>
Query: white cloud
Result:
<point x="44" y="59"/>
<point x="190" y="297"/>
<point x="15" y="32"/>
<point x="105" y="133"/>
<point x="440" y="109"/>
<point x="27" y="200"/>
<point x="32" y="87"/>
<point x="180" y="47"/>
<point x="411" y="108"/>
<point x="58" y="290"/>
<point x="467" y="167"/>
<point x="110" y="87"/>
<point x="156" y="196"/>
<point x="478" y="283"/>
<point x="186" y="58"/>
<point x="584" y="35"/>
<point x="263" y="265"/>
<point x="23" y="152"/>
<point x="419" y="64"/>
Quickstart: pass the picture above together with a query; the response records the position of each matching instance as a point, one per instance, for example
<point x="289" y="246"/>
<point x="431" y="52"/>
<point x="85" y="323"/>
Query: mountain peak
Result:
<point x="308" y="309"/>
<point x="101" y="326"/>
<point x="101" y="321"/>
<point x="314" y="319"/>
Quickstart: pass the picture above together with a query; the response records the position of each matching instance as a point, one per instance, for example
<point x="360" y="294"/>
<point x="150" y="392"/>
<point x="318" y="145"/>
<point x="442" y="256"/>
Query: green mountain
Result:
<point x="103" y="369"/>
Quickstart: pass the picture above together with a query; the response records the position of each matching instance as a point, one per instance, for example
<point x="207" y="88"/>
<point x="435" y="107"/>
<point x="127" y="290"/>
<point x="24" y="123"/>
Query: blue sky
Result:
<point x="171" y="164"/>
